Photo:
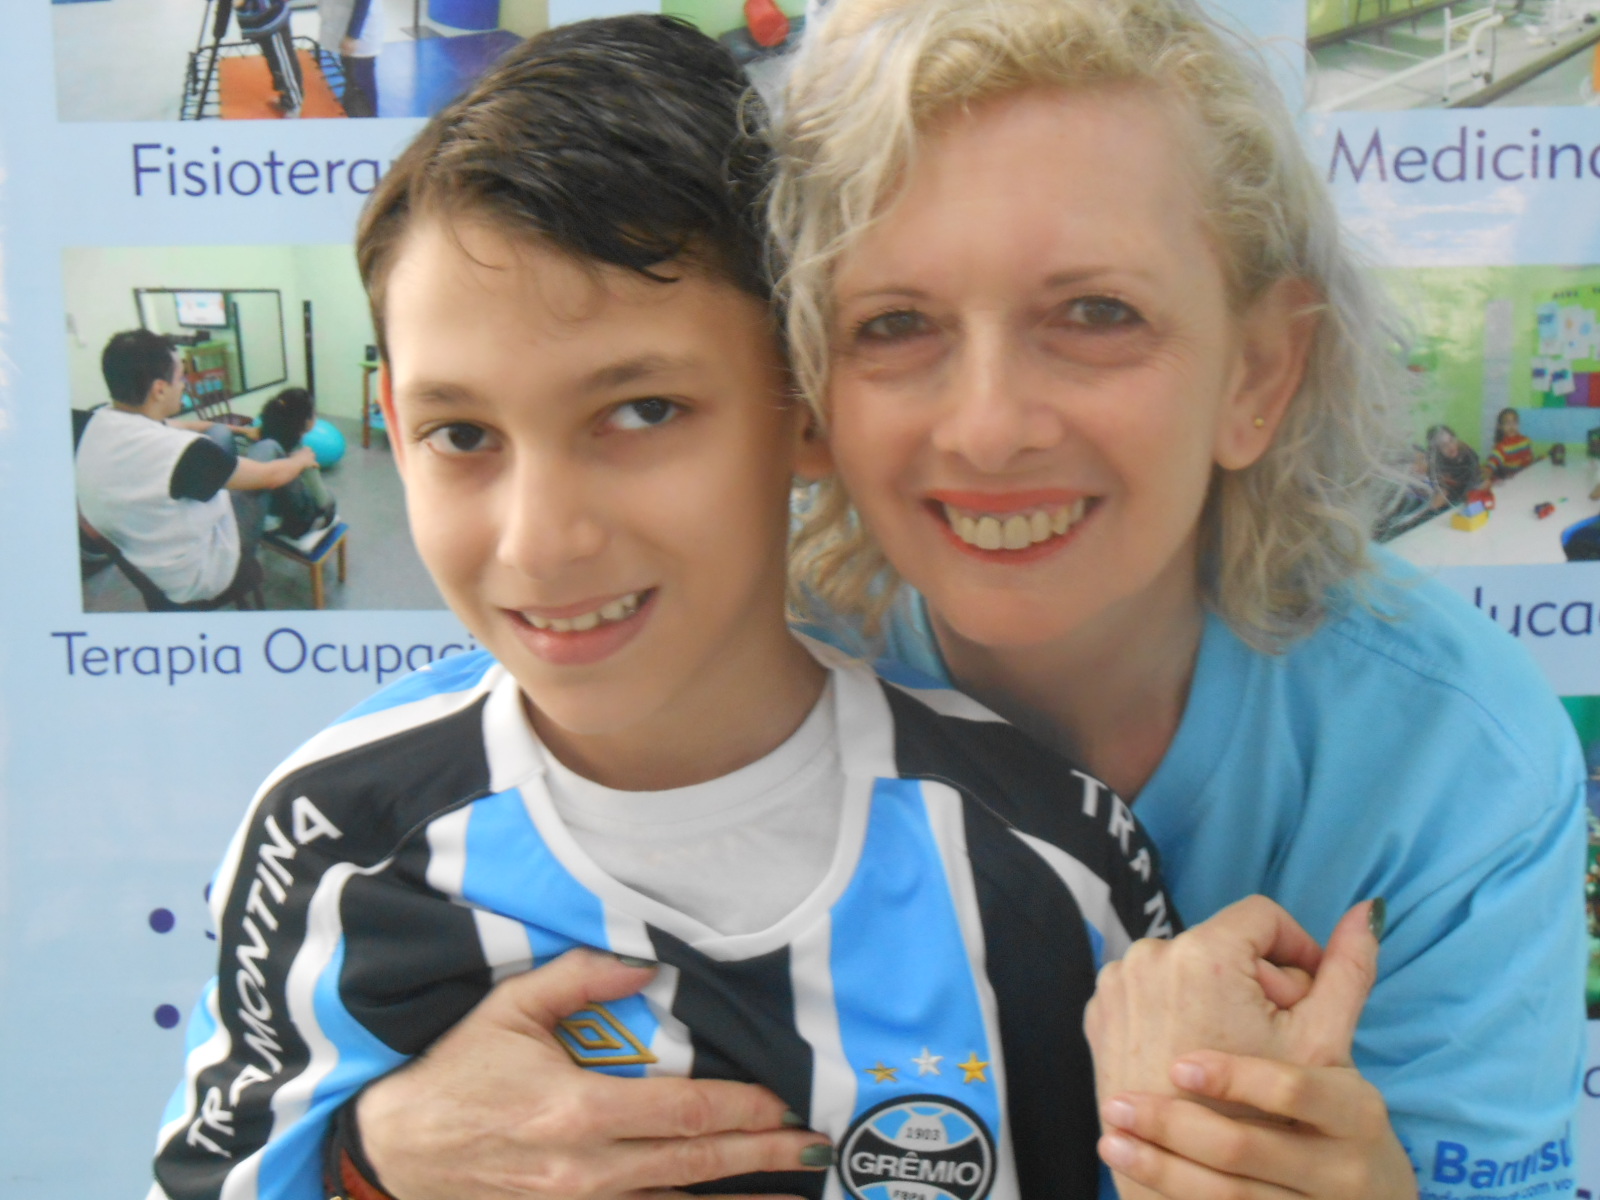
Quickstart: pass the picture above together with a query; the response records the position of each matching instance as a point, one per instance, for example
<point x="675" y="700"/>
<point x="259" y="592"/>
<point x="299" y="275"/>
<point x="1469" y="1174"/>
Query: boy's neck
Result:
<point x="1109" y="695"/>
<point x="759" y="692"/>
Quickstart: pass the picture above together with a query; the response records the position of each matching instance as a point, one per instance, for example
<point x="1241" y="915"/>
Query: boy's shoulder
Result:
<point x="412" y="751"/>
<point x="1008" y="781"/>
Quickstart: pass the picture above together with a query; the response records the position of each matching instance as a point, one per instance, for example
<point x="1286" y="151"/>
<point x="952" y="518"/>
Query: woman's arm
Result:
<point x="1223" y="1060"/>
<point x="496" y="1109"/>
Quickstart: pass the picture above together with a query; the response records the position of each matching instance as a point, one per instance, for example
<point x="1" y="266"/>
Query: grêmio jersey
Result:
<point x="923" y="1006"/>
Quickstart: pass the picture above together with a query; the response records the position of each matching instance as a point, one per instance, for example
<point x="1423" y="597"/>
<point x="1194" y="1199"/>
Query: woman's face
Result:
<point x="1036" y="368"/>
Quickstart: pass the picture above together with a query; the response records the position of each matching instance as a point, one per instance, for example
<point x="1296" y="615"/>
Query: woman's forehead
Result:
<point x="1048" y="179"/>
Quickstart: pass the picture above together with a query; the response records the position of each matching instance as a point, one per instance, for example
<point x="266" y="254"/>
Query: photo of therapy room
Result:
<point x="1505" y="419"/>
<point x="1397" y="54"/>
<point x="228" y="448"/>
<point x="169" y="60"/>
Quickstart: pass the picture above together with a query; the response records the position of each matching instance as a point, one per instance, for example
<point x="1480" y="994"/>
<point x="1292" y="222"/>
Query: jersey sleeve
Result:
<point x="338" y="960"/>
<point x="202" y="470"/>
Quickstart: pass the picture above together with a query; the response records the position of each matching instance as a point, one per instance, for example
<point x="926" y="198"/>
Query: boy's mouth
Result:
<point x="609" y="613"/>
<point x="1016" y="529"/>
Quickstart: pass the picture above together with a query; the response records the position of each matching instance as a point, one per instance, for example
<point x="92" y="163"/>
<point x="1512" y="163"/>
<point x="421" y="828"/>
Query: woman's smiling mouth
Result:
<point x="1008" y="526"/>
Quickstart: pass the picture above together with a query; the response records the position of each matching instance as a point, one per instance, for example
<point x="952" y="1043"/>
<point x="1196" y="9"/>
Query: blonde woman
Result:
<point x="1106" y="390"/>
<point x="1107" y="399"/>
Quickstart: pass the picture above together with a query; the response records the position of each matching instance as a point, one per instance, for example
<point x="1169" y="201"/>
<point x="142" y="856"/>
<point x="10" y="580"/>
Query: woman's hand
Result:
<point x="1223" y="1063"/>
<point x="497" y="1110"/>
<point x="1321" y="1131"/>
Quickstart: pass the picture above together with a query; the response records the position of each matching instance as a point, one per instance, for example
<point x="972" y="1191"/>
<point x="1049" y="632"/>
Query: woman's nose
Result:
<point x="992" y="413"/>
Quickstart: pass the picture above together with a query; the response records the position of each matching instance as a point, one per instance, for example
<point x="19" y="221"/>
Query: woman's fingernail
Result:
<point x="1117" y="1151"/>
<point x="628" y="960"/>
<point x="819" y="1154"/>
<point x="793" y="1120"/>
<point x="1191" y="1077"/>
<point x="1378" y="917"/>
<point x="1119" y="1112"/>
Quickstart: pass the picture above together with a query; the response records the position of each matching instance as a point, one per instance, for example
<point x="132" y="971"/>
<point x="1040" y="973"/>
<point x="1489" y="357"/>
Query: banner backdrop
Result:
<point x="160" y="173"/>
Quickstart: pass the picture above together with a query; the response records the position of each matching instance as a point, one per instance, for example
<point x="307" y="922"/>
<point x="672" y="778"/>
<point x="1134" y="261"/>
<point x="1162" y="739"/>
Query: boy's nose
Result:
<point x="546" y="522"/>
<point x="991" y="415"/>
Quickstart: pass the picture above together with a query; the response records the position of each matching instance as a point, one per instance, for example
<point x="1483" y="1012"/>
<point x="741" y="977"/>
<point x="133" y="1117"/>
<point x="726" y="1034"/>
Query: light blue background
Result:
<point x="117" y="795"/>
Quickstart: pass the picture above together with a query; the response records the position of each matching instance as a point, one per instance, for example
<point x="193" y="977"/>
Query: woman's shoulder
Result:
<point x="1412" y="648"/>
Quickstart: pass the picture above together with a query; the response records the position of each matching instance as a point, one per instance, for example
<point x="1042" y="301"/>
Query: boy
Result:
<point x="592" y="421"/>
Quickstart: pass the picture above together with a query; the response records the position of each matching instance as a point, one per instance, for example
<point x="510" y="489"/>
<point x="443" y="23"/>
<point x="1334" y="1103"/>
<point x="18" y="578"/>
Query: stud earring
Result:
<point x="1261" y="422"/>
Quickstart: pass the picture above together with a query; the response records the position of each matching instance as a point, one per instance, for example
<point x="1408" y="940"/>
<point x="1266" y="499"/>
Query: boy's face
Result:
<point x="597" y="469"/>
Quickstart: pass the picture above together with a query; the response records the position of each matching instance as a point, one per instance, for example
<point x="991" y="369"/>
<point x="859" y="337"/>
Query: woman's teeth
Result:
<point x="1017" y="531"/>
<point x="617" y="610"/>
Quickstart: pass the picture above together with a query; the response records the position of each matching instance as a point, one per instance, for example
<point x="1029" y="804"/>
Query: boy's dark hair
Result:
<point x="132" y="361"/>
<point x="628" y="140"/>
<point x="284" y="417"/>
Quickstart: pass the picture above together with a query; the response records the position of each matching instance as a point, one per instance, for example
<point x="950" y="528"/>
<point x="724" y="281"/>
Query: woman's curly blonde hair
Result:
<point x="1282" y="537"/>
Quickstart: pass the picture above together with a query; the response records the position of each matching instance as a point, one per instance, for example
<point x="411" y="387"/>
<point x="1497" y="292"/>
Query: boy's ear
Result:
<point x="813" y="457"/>
<point x="397" y="444"/>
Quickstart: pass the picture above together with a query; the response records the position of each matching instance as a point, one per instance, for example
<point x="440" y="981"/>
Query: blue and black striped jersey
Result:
<point x="923" y="1006"/>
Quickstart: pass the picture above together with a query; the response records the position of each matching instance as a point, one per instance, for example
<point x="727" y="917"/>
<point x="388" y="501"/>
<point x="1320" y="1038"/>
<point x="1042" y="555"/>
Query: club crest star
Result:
<point x="928" y="1063"/>
<point x="883" y="1074"/>
<point x="972" y="1071"/>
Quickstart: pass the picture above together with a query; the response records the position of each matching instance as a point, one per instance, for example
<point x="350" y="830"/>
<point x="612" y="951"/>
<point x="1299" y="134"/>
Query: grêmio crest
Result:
<point x="918" y="1148"/>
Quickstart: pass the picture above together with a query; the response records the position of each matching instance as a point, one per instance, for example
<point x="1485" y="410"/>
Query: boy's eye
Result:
<point x="459" y="438"/>
<point x="893" y="326"/>
<point x="643" y="414"/>
<point x="1102" y="312"/>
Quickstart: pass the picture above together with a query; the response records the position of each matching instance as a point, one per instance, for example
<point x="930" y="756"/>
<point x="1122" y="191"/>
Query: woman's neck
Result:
<point x="1110" y="694"/>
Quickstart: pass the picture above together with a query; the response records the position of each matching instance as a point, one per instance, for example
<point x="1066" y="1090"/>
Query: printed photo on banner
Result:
<point x="1400" y="54"/>
<point x="1505" y="417"/>
<point x="228" y="447"/>
<point x="189" y="60"/>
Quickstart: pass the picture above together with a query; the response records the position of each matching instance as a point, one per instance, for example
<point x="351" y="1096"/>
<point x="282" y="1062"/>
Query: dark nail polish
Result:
<point x="793" y="1120"/>
<point x="819" y="1155"/>
<point x="1378" y="917"/>
<point x="628" y="960"/>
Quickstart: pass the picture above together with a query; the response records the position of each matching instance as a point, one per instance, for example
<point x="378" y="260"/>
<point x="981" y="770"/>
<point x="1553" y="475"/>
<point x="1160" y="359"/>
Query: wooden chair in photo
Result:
<point x="332" y="543"/>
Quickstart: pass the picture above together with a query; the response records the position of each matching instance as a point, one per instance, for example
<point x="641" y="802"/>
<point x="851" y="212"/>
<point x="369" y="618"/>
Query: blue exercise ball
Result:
<point x="326" y="442"/>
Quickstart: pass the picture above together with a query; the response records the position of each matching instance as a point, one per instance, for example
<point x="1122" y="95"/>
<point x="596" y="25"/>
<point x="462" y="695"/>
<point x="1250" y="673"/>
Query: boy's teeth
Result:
<point x="1017" y="531"/>
<point x="616" y="610"/>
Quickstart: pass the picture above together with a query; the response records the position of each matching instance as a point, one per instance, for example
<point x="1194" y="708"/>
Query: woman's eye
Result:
<point x="643" y="414"/>
<point x="459" y="438"/>
<point x="893" y="326"/>
<point x="1101" y="312"/>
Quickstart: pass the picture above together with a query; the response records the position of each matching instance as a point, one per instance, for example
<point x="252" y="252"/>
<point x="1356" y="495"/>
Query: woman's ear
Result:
<point x="813" y="457"/>
<point x="1275" y="337"/>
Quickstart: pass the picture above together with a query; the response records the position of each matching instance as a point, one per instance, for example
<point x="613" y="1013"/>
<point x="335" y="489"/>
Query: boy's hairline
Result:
<point x="456" y="212"/>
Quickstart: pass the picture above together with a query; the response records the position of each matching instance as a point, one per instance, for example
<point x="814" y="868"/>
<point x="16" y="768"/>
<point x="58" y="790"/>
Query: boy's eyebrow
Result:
<point x="630" y="370"/>
<point x="430" y="392"/>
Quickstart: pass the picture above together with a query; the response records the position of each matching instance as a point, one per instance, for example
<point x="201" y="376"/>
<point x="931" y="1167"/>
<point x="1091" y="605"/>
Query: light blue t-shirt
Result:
<point x="1420" y="757"/>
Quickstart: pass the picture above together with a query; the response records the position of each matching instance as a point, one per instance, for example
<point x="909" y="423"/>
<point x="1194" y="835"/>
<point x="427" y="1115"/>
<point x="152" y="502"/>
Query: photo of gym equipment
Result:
<point x="169" y="60"/>
<point x="271" y="356"/>
<point x="1504" y="465"/>
<point x="1402" y="54"/>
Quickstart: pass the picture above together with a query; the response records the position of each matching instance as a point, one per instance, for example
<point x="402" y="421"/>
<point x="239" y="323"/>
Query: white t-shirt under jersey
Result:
<point x="737" y="853"/>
